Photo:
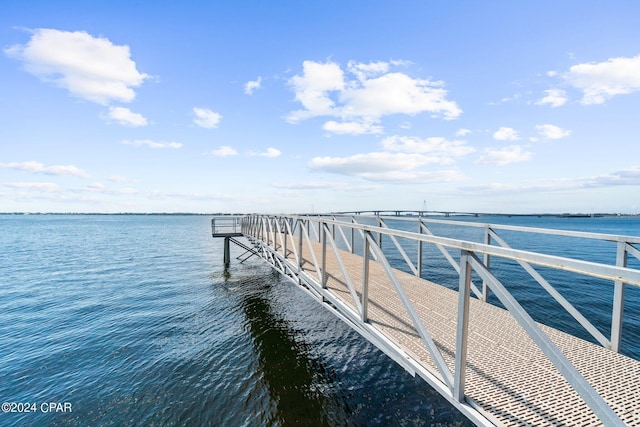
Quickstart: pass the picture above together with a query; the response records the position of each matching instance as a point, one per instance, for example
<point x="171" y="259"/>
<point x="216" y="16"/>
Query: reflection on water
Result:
<point x="318" y="371"/>
<point x="296" y="381"/>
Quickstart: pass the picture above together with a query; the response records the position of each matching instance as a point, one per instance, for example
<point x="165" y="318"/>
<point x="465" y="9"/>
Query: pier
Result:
<point x="491" y="361"/>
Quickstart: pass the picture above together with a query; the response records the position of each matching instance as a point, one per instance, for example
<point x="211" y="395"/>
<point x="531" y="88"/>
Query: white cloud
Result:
<point x="503" y="156"/>
<point x="312" y="89"/>
<point x="506" y="99"/>
<point x="224" y="151"/>
<point x="506" y="134"/>
<point x="599" y="81"/>
<point x="43" y="187"/>
<point x="434" y="145"/>
<point x="314" y="185"/>
<point x="384" y="166"/>
<point x="625" y="177"/>
<point x="397" y="93"/>
<point x="152" y="144"/>
<point x="422" y="177"/>
<point x="554" y="98"/>
<point x="206" y="118"/>
<point x="90" y="68"/>
<point x="352" y="128"/>
<point x="270" y="153"/>
<point x="629" y="176"/>
<point x="100" y="188"/>
<point x="125" y="117"/>
<point x="463" y="132"/>
<point x="370" y="163"/>
<point x="251" y="86"/>
<point x="366" y="94"/>
<point x="552" y="132"/>
<point x="365" y="71"/>
<point x="37" y="167"/>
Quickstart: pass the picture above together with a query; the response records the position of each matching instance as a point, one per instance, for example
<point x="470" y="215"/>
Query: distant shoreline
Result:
<point x="384" y="213"/>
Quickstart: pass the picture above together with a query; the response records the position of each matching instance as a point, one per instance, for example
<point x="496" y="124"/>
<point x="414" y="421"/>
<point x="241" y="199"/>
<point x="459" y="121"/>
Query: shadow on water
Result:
<point x="316" y="371"/>
<point x="298" y="384"/>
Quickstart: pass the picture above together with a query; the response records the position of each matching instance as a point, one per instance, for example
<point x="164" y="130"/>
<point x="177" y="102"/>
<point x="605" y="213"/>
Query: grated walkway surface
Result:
<point x="508" y="377"/>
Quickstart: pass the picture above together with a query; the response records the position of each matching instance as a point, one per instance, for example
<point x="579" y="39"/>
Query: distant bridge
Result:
<point x="496" y="365"/>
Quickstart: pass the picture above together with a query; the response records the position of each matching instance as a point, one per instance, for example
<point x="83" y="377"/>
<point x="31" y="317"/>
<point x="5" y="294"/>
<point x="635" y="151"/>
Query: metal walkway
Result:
<point x="497" y="366"/>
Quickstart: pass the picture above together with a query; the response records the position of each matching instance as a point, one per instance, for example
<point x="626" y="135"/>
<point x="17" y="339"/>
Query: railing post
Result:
<point x="420" y="243"/>
<point x="323" y="237"/>
<point x="365" y="279"/>
<point x="380" y="233"/>
<point x="275" y="237"/>
<point x="227" y="252"/>
<point x="487" y="261"/>
<point x="618" y="299"/>
<point x="353" y="249"/>
<point x="285" y="222"/>
<point x="300" y="237"/>
<point x="464" y="292"/>
<point x="333" y="230"/>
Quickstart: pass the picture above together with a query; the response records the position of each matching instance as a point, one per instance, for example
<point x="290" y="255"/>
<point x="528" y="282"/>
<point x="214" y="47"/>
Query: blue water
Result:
<point x="133" y="320"/>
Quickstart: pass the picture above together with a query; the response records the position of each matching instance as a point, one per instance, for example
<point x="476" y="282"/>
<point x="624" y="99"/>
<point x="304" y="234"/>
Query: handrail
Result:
<point x="603" y="271"/>
<point x="536" y="230"/>
<point x="473" y="257"/>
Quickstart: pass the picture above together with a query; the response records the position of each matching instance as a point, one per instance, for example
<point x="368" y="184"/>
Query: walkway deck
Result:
<point x="509" y="379"/>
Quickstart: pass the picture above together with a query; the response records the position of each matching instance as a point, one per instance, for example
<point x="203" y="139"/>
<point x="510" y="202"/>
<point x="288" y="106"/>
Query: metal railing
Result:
<point x="282" y="238"/>
<point x="225" y="225"/>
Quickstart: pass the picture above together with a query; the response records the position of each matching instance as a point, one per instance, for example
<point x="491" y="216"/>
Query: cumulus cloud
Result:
<point x="125" y="117"/>
<point x="352" y="128"/>
<point x="312" y="89"/>
<point x="270" y="153"/>
<point x="504" y="156"/>
<point x="399" y="161"/>
<point x="553" y="98"/>
<point x="552" y="132"/>
<point x="152" y="144"/>
<point x="506" y="134"/>
<point x="224" y="151"/>
<point x="436" y="145"/>
<point x="251" y="86"/>
<point x="371" y="162"/>
<point x="365" y="93"/>
<point x="600" y="81"/>
<point x="206" y="118"/>
<point x="90" y="68"/>
<point x="384" y="166"/>
<point x="37" y="167"/>
<point x="364" y="71"/>
<point x="463" y="132"/>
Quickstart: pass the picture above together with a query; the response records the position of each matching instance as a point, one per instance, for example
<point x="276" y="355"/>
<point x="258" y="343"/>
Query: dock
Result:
<point x="496" y="365"/>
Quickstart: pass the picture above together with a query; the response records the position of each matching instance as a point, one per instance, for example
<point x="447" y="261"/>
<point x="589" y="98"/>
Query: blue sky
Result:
<point x="292" y="106"/>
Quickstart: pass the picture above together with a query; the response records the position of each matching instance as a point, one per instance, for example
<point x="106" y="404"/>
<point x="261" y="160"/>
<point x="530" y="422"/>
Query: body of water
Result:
<point x="111" y="320"/>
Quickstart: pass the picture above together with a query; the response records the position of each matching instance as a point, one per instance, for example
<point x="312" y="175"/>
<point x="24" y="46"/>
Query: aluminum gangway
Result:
<point x="492" y="362"/>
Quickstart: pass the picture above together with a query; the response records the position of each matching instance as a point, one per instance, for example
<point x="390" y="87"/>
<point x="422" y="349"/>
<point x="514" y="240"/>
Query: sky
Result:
<point x="295" y="106"/>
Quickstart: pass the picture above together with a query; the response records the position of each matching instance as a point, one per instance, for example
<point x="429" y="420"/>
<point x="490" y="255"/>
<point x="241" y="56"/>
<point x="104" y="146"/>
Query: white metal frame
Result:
<point x="273" y="237"/>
